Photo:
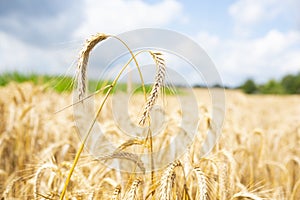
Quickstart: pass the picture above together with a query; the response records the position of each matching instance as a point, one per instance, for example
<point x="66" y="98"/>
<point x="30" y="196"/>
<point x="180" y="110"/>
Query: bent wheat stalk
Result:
<point x="159" y="80"/>
<point x="82" y="85"/>
<point x="81" y="75"/>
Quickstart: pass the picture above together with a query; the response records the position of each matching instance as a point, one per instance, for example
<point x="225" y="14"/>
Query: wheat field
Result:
<point x="256" y="157"/>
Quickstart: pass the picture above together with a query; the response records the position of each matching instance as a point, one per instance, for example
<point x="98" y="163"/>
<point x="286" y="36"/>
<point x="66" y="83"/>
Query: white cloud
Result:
<point x="33" y="43"/>
<point x="51" y="23"/>
<point x="270" y="56"/>
<point x="17" y="55"/>
<point x="30" y="43"/>
<point x="250" y="14"/>
<point x="119" y="16"/>
<point x="207" y="41"/>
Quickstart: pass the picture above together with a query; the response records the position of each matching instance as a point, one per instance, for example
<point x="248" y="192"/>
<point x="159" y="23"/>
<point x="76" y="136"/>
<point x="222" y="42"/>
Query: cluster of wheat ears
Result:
<point x="257" y="156"/>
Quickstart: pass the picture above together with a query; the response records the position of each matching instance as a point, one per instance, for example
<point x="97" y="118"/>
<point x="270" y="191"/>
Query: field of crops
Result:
<point x="257" y="156"/>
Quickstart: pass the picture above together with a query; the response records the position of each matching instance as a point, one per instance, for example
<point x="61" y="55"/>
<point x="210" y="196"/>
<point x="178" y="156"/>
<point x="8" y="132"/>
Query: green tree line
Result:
<point x="289" y="84"/>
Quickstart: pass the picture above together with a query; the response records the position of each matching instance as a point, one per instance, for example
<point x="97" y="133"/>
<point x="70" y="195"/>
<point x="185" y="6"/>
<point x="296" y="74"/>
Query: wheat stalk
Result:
<point x="81" y="87"/>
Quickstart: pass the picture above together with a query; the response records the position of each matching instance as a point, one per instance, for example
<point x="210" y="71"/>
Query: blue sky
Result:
<point x="245" y="38"/>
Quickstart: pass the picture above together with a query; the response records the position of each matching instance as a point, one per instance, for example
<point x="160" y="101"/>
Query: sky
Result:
<point x="257" y="39"/>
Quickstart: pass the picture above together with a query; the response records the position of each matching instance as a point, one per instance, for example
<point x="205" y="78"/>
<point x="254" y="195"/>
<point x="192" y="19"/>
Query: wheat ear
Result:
<point x="295" y="189"/>
<point x="83" y="61"/>
<point x="38" y="175"/>
<point x="117" y="193"/>
<point x="246" y="195"/>
<point x="222" y="178"/>
<point x="127" y="156"/>
<point x="202" y="184"/>
<point x="131" y="194"/>
<point x="10" y="186"/>
<point x="167" y="181"/>
<point x="159" y="80"/>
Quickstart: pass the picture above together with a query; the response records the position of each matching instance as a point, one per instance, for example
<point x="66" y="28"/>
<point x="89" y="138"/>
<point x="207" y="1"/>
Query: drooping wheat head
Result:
<point x="83" y="61"/>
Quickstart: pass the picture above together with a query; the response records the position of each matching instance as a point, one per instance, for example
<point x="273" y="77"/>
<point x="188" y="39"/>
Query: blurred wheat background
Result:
<point x="257" y="156"/>
<point x="255" y="45"/>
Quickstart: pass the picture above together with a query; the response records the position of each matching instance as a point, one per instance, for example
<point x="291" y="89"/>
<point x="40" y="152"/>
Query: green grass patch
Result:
<point x="122" y="87"/>
<point x="65" y="83"/>
<point x="57" y="83"/>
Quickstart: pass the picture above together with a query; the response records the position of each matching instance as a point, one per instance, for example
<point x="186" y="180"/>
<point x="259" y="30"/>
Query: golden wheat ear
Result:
<point x="132" y="193"/>
<point x="202" y="184"/>
<point x="159" y="81"/>
<point x="247" y="195"/>
<point x="81" y="75"/>
<point x="117" y="193"/>
<point x="167" y="181"/>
